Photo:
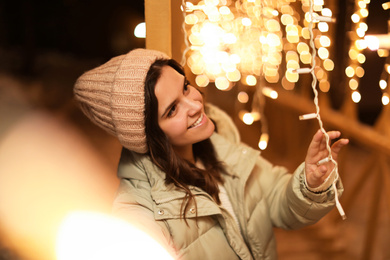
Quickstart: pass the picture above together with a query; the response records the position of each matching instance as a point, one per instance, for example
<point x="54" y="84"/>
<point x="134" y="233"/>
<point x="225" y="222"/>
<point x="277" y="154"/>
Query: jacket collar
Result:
<point x="238" y="158"/>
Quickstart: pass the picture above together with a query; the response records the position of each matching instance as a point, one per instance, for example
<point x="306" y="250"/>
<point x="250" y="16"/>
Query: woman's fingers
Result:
<point x="336" y="147"/>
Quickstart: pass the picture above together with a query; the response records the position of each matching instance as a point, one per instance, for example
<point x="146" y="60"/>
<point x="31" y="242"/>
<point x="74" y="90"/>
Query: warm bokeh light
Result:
<point x="328" y="64"/>
<point x="353" y="84"/>
<point x="323" y="53"/>
<point x="355" y="18"/>
<point x="361" y="58"/>
<point x="372" y="42"/>
<point x="222" y="83"/>
<point x="233" y="76"/>
<point x="383" y="53"/>
<point x="363" y="12"/>
<point x="324" y="85"/>
<point x="251" y="80"/>
<point x="325" y="41"/>
<point x="356" y="97"/>
<point x="249" y="117"/>
<point x="292" y="76"/>
<point x="385" y="99"/>
<point x="263" y="142"/>
<point x="246" y="21"/>
<point x="269" y="92"/>
<point x="323" y="26"/>
<point x="202" y="80"/>
<point x="383" y="84"/>
<point x="349" y="71"/>
<point x="243" y="97"/>
<point x="61" y="172"/>
<point x="361" y="44"/>
<point x="89" y="235"/>
<point x="140" y="30"/>
<point x="305" y="57"/>
<point x="353" y="53"/>
<point x="359" y="72"/>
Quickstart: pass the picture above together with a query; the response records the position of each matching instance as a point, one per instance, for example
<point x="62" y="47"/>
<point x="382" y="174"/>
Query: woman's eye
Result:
<point x="186" y="85"/>
<point x="171" y="111"/>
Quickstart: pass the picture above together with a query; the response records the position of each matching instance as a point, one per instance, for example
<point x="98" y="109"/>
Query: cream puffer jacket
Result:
<point x="263" y="196"/>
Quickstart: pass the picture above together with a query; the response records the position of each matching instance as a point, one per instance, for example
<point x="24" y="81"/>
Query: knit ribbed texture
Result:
<point x="113" y="96"/>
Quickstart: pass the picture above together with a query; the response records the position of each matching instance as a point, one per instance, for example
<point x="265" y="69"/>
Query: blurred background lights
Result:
<point x="243" y="97"/>
<point x="249" y="117"/>
<point x="140" y="30"/>
<point x="355" y="18"/>
<point x="349" y="71"/>
<point x="385" y="99"/>
<point x="222" y="83"/>
<point x="263" y="142"/>
<point x="251" y="80"/>
<point x="382" y="84"/>
<point x="372" y="42"/>
<point x="328" y="64"/>
<point x="246" y="21"/>
<point x="269" y="92"/>
<point x="356" y="97"/>
<point x="353" y="84"/>
<point x="202" y="80"/>
<point x="244" y="43"/>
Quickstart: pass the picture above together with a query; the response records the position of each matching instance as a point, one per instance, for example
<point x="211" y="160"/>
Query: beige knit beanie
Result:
<point x="113" y="97"/>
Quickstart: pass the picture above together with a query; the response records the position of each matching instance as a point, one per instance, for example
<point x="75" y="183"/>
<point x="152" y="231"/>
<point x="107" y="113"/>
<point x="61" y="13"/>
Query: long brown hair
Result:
<point x="180" y="172"/>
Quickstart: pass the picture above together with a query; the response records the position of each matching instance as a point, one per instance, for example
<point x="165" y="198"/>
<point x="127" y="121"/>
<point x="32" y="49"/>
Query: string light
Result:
<point x="263" y="142"/>
<point x="359" y="42"/>
<point x="317" y="113"/>
<point x="252" y="33"/>
<point x="381" y="44"/>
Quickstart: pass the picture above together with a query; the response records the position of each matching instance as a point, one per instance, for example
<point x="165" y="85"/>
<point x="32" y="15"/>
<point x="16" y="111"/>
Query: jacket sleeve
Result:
<point x="291" y="204"/>
<point x="134" y="207"/>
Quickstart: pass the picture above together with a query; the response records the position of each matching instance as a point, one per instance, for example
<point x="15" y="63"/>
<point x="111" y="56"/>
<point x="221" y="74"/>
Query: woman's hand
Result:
<point x="315" y="173"/>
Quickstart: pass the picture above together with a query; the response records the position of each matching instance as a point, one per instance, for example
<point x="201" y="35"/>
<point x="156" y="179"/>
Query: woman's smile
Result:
<point x="197" y="122"/>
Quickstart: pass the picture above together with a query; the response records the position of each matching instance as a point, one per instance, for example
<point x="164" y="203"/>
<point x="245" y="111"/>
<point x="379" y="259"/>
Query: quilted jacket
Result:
<point x="263" y="196"/>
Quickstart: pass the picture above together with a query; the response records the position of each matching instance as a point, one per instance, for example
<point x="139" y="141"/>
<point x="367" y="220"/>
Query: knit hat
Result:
<point x="113" y="96"/>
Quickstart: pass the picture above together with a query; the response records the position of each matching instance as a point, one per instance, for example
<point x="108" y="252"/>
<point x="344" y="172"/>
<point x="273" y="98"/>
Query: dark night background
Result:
<point x="83" y="28"/>
<point x="47" y="44"/>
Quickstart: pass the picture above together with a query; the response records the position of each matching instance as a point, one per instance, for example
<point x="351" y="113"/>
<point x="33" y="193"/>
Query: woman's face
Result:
<point x="180" y="111"/>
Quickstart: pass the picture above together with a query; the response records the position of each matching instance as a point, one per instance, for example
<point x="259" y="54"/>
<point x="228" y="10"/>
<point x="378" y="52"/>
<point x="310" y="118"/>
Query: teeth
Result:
<point x="197" y="121"/>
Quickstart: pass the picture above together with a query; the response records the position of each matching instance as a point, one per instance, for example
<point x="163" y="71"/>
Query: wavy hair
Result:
<point x="182" y="173"/>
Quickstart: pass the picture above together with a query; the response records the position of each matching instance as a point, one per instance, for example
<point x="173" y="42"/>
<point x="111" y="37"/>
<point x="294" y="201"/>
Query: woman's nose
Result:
<point x="194" y="106"/>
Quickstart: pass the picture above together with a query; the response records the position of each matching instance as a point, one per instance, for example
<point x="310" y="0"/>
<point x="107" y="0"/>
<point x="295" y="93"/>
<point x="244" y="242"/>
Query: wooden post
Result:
<point x="164" y="19"/>
<point x="158" y="25"/>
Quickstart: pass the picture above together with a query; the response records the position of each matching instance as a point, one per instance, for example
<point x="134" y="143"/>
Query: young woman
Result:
<point x="185" y="177"/>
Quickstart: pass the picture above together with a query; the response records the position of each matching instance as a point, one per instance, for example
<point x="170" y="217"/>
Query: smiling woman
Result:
<point x="181" y="112"/>
<point x="183" y="178"/>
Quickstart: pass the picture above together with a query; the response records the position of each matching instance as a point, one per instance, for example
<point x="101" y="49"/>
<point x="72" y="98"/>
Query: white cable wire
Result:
<point x="313" y="85"/>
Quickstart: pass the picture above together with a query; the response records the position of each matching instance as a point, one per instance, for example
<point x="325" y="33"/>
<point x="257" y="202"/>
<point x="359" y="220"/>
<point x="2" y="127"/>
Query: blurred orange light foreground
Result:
<point x="89" y="235"/>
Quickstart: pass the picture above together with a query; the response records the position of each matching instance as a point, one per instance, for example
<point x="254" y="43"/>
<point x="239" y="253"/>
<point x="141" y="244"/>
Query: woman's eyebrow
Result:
<point x="168" y="108"/>
<point x="174" y="101"/>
